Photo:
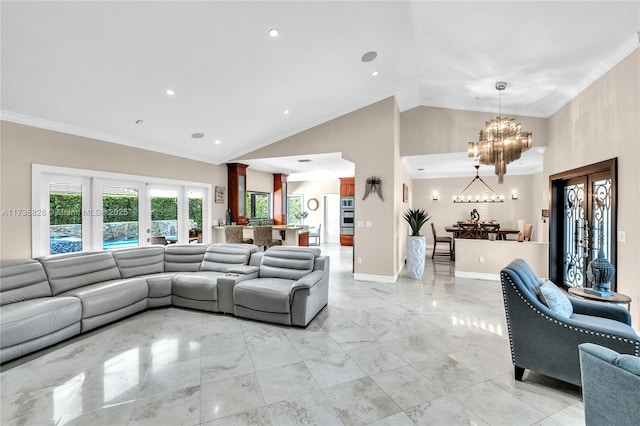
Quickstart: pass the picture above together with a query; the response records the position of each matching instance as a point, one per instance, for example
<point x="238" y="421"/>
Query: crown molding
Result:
<point x="631" y="44"/>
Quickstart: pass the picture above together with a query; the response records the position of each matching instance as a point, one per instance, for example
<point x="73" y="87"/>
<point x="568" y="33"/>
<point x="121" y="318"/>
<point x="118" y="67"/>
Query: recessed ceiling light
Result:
<point x="197" y="135"/>
<point x="369" y="56"/>
<point x="420" y="170"/>
<point x="304" y="160"/>
<point x="375" y="73"/>
<point x="287" y="112"/>
<point x="170" y="92"/>
<point x="273" y="32"/>
<point x="217" y="141"/>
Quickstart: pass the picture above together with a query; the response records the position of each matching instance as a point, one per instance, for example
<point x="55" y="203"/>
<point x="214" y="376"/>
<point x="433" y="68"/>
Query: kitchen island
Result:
<point x="290" y="235"/>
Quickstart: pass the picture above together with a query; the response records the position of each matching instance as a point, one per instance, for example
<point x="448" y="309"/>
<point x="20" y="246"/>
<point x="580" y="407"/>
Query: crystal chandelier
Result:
<point x="502" y="140"/>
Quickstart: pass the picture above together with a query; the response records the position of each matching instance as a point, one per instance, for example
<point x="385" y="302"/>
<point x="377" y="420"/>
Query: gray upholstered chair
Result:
<point x="315" y="234"/>
<point x="610" y="386"/>
<point x="544" y="340"/>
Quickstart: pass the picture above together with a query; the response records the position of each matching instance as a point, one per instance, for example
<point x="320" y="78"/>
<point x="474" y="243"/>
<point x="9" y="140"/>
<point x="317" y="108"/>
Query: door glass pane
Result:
<point x="575" y="235"/>
<point x="65" y="218"/>
<point x="164" y="214"/>
<point x="195" y="216"/>
<point x="294" y="212"/>
<point x="601" y="213"/>
<point x="119" y="216"/>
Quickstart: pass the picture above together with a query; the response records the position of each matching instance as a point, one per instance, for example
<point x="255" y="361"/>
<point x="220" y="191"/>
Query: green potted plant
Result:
<point x="416" y="244"/>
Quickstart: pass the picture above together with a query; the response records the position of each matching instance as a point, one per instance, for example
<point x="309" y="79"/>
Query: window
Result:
<point x="296" y="207"/>
<point x="65" y="216"/>
<point x="90" y="210"/>
<point x="258" y="205"/>
<point x="120" y="217"/>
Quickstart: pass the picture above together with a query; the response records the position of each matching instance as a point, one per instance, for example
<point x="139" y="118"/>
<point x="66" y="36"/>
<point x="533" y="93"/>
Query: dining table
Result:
<point x="502" y="232"/>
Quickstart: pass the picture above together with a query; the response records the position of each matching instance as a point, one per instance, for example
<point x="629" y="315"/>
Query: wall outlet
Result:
<point x="481" y="259"/>
<point x="359" y="261"/>
<point x="360" y="224"/>
<point x="368" y="224"/>
<point x="622" y="236"/>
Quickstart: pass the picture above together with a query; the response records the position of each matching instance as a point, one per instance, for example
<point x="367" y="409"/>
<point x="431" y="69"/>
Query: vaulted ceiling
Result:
<point x="101" y="69"/>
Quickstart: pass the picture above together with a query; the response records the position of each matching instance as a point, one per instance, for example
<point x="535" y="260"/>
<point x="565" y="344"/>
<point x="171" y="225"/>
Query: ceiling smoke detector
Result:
<point x="304" y="160"/>
<point x="197" y="135"/>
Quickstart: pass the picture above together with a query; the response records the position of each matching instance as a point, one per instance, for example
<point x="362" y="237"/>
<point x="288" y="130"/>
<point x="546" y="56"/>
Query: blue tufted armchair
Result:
<point x="546" y="342"/>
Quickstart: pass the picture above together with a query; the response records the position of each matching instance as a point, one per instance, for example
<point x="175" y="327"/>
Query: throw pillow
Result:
<point x="553" y="298"/>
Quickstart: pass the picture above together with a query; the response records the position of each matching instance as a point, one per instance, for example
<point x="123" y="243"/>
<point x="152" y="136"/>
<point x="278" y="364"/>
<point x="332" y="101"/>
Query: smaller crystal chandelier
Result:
<point x="502" y="140"/>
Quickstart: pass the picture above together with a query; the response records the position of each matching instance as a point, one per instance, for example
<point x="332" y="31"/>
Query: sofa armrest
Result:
<point x="243" y="269"/>
<point x="601" y="309"/>
<point x="226" y="283"/>
<point x="308" y="281"/>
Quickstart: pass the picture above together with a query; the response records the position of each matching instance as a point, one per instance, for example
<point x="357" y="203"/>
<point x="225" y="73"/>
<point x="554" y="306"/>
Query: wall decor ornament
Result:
<point x="219" y="194"/>
<point x="374" y="185"/>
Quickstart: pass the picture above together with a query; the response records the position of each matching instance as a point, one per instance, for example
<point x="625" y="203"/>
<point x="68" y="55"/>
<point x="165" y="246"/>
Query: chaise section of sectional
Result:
<point x="292" y="287"/>
<point x="147" y="263"/>
<point x="31" y="318"/>
<point x="94" y="278"/>
<point x="211" y="287"/>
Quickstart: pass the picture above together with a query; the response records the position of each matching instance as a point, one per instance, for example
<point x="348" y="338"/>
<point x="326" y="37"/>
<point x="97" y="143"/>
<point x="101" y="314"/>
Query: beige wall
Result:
<point x="601" y="123"/>
<point x="430" y="130"/>
<point x="367" y="138"/>
<point x="315" y="189"/>
<point x="21" y="146"/>
<point x="445" y="212"/>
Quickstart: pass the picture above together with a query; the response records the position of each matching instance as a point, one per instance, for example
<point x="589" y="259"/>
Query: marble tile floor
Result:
<point x="433" y="352"/>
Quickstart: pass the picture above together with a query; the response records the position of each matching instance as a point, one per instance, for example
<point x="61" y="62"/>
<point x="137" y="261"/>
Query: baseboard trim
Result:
<point x="375" y="278"/>
<point x="477" y="275"/>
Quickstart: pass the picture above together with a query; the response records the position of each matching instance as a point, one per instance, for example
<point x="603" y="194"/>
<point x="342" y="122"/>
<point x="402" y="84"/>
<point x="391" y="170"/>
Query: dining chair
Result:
<point x="159" y="240"/>
<point x="489" y="231"/>
<point x="234" y="234"/>
<point x="527" y="232"/>
<point x="315" y="234"/>
<point x="449" y="251"/>
<point x="468" y="230"/>
<point x="263" y="237"/>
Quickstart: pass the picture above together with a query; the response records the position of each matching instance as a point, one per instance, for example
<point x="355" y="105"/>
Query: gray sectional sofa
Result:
<point x="50" y="299"/>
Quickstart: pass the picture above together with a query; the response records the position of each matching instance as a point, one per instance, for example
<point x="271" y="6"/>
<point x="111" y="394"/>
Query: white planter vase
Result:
<point x="416" y="248"/>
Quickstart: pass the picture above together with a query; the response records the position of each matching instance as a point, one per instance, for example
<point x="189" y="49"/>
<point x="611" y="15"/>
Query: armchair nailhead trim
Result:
<point x="635" y="343"/>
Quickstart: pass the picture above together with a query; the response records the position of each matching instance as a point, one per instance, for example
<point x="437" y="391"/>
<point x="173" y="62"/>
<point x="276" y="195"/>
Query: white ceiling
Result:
<point x="95" y="68"/>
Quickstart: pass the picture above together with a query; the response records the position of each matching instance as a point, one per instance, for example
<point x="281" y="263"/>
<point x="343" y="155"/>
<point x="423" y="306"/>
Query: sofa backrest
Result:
<point x="22" y="280"/>
<point x="72" y="270"/>
<point x="524" y="277"/>
<point x="221" y="257"/>
<point x="288" y="262"/>
<point x="137" y="261"/>
<point x="183" y="257"/>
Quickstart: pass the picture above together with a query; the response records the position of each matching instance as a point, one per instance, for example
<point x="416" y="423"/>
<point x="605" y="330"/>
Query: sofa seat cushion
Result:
<point x="159" y="284"/>
<point x="28" y="320"/>
<point x="264" y="294"/>
<point x="201" y="285"/>
<point x="605" y="324"/>
<point x="109" y="296"/>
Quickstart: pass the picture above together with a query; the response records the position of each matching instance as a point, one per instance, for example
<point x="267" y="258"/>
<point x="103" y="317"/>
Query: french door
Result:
<point x="583" y="222"/>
